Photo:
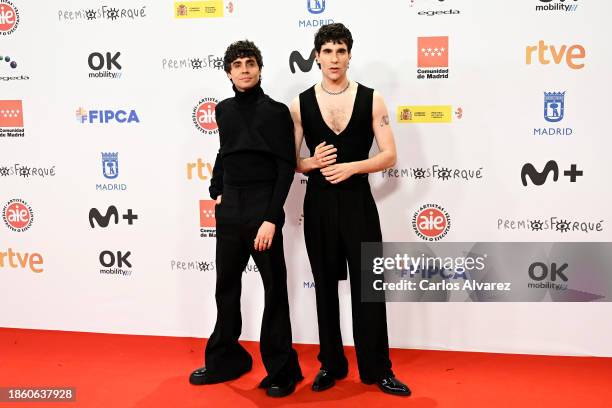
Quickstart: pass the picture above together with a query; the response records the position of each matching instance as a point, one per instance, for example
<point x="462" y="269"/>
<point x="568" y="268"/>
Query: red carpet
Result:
<point x="114" y="371"/>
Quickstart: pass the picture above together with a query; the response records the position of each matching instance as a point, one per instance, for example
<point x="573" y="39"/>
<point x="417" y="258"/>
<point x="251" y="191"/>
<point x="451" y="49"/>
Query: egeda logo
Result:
<point x="106" y="116"/>
<point x="554" y="112"/>
<point x="305" y="65"/>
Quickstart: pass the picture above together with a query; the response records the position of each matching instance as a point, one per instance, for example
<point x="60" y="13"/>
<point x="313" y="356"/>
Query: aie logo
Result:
<point x="305" y="65"/>
<point x="539" y="177"/>
<point x="431" y="222"/>
<point x="203" y="115"/>
<point x="111" y="212"/>
<point x="98" y="61"/>
<point x="9" y="17"/>
<point x="17" y="215"/>
<point x="315" y="6"/>
<point x="110" y="165"/>
<point x="538" y="271"/>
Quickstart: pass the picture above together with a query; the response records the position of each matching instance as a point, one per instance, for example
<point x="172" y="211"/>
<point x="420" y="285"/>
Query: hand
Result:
<point x="263" y="240"/>
<point x="219" y="199"/>
<point x="324" y="155"/>
<point x="338" y="172"/>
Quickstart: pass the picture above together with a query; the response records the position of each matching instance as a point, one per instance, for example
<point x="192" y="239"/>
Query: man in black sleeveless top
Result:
<point x="339" y="120"/>
<point x="251" y="179"/>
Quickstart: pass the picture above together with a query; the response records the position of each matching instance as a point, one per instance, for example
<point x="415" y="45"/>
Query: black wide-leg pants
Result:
<point x="337" y="219"/>
<point x="238" y="218"/>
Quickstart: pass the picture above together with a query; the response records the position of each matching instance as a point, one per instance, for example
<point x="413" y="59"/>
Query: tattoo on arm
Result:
<point x="384" y="121"/>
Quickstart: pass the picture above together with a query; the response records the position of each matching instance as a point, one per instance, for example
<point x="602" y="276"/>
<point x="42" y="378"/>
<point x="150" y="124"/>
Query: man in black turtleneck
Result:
<point x="251" y="179"/>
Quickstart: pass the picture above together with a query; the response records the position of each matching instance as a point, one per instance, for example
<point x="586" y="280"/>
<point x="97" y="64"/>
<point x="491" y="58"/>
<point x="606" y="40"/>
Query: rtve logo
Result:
<point x="204" y="170"/>
<point x="552" y="53"/>
<point x="10" y="259"/>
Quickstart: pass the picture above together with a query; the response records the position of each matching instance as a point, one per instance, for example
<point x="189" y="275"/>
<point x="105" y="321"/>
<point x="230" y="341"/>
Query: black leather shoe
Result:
<point x="323" y="381"/>
<point x="203" y="376"/>
<point x="281" y="388"/>
<point x="392" y="385"/>
<point x="199" y="376"/>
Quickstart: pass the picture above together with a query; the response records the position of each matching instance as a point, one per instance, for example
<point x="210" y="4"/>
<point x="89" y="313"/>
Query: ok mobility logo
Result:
<point x="305" y="65"/>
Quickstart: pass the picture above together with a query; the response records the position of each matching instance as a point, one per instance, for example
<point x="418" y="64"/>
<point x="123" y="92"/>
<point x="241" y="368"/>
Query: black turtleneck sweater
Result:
<point x="256" y="147"/>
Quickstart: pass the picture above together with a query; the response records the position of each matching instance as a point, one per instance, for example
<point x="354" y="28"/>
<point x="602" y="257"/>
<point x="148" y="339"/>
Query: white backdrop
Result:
<point x="502" y="102"/>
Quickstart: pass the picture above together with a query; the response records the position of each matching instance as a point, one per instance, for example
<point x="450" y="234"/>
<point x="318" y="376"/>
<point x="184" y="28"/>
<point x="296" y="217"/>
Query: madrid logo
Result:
<point x="431" y="222"/>
<point x="17" y="215"/>
<point x="203" y="115"/>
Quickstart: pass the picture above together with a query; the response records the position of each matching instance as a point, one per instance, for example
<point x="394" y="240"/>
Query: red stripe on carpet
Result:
<point x="146" y="371"/>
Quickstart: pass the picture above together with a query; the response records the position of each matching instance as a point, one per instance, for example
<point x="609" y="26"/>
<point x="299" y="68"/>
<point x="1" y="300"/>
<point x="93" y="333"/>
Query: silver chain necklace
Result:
<point x="336" y="93"/>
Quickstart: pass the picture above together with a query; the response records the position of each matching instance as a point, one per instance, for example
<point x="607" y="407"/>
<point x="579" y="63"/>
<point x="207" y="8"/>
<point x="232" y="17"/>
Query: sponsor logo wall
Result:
<point x="108" y="144"/>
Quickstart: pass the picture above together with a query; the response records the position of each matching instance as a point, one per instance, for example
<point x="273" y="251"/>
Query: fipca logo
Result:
<point x="203" y="116"/>
<point x="104" y="65"/>
<point x="202" y="169"/>
<point x="196" y="63"/>
<point x="432" y="57"/>
<point x="316" y="7"/>
<point x="110" y="171"/>
<point x="305" y="65"/>
<point x="17" y="215"/>
<point x="11" y="119"/>
<point x="105" y="12"/>
<point x="9" y="17"/>
<point x="556" y="5"/>
<point x="428" y="114"/>
<point x="208" y="222"/>
<point x="434" y="3"/>
<point x="540" y="177"/>
<point x="431" y="222"/>
<point x="106" y="116"/>
<point x="554" y="112"/>
<point x="32" y="261"/>
<point x="204" y="9"/>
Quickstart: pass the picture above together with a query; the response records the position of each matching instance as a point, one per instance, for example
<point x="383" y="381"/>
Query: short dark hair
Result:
<point x="241" y="49"/>
<point x="336" y="33"/>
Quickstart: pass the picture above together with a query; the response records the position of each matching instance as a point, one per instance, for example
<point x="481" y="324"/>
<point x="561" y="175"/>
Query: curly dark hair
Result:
<point x="336" y="33"/>
<point x="241" y="49"/>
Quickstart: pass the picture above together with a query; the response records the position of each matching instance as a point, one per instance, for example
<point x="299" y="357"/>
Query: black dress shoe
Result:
<point x="203" y="376"/>
<point x="323" y="381"/>
<point x="281" y="388"/>
<point x="199" y="376"/>
<point x="392" y="385"/>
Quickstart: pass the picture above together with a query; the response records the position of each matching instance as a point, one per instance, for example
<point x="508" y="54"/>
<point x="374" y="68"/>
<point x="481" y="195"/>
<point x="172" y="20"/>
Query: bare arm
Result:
<point x="385" y="158"/>
<point x="324" y="154"/>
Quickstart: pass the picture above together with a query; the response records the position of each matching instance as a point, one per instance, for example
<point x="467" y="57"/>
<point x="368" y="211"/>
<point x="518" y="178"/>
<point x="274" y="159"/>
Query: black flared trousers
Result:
<point x="238" y="218"/>
<point x="337" y="219"/>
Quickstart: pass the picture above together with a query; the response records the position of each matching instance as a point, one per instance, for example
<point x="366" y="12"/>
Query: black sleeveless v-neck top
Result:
<point x="353" y="143"/>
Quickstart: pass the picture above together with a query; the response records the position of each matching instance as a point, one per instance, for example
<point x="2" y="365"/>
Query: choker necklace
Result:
<point x="336" y="93"/>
